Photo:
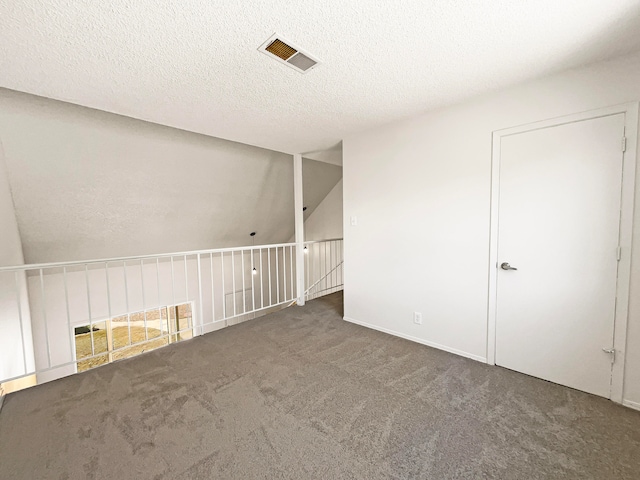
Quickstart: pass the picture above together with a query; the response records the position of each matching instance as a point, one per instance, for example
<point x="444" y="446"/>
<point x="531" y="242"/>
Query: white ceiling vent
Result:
<point x="286" y="52"/>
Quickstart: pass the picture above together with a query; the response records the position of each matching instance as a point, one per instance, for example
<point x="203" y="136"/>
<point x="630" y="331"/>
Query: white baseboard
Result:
<point x="630" y="404"/>
<point x="477" y="358"/>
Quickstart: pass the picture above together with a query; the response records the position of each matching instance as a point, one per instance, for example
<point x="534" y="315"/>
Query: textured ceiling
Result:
<point x="194" y="64"/>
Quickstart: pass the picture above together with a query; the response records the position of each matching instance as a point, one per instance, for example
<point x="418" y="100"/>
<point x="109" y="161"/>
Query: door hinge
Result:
<point x="619" y="253"/>
<point x="624" y="144"/>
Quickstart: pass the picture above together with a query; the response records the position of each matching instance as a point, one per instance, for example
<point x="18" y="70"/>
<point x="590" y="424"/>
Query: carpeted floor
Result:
<point x="301" y="394"/>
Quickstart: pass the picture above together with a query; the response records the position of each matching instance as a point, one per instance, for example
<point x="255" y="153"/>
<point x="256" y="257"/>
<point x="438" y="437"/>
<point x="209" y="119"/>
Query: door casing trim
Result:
<point x="630" y="111"/>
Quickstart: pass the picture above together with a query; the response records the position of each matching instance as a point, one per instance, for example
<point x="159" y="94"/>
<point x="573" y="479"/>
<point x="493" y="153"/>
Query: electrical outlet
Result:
<point x="417" y="318"/>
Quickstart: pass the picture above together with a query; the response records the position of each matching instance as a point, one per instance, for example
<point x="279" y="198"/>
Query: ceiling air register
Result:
<point x="285" y="52"/>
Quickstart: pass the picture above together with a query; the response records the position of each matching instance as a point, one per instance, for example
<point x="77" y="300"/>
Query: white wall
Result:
<point x="326" y="220"/>
<point x="421" y="192"/>
<point x="16" y="346"/>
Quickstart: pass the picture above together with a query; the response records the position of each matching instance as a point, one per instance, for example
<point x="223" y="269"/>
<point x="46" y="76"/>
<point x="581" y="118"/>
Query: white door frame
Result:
<point x="626" y="230"/>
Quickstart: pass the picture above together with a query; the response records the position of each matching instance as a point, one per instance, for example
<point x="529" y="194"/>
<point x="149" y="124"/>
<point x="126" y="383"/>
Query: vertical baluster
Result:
<point x="293" y="293"/>
<point x="337" y="263"/>
<point x="319" y="280"/>
<point x="338" y="282"/>
<point x="312" y="251"/>
<point x="326" y="270"/>
<point x="277" y="279"/>
<point x="341" y="262"/>
<point x="269" y="267"/>
<point x="213" y="296"/>
<point x="186" y="292"/>
<point x="316" y="268"/>
<point x="261" y="282"/>
<point x="224" y="297"/>
<point x="244" y="294"/>
<point x="233" y="281"/>
<point x="173" y="297"/>
<point x="20" y="319"/>
<point x="284" y="274"/>
<point x="333" y="267"/>
<point x="253" y="284"/>
<point x="292" y="280"/>
<point x="199" y="293"/>
<point x="71" y="332"/>
<point x="144" y="303"/>
<point x="126" y="299"/>
<point x="44" y="318"/>
<point x="109" y="325"/>
<point x="326" y="267"/>
<point x="159" y="301"/>
<point x="86" y="278"/>
<point x="330" y="277"/>
<point x="320" y="268"/>
<point x="309" y="270"/>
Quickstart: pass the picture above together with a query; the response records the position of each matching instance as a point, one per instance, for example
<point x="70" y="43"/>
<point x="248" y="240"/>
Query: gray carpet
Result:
<point x="301" y="394"/>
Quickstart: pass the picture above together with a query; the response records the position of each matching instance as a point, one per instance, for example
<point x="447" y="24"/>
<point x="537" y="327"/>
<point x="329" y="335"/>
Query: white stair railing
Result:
<point x="313" y="289"/>
<point x="58" y="318"/>
<point x="323" y="267"/>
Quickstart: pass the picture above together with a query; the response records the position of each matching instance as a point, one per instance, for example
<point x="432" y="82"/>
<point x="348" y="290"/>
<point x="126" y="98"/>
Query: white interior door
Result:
<point x="559" y="221"/>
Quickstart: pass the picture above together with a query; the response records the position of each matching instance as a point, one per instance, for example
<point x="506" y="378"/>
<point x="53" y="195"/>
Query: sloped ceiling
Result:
<point x="316" y="176"/>
<point x="88" y="184"/>
<point x="194" y="64"/>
